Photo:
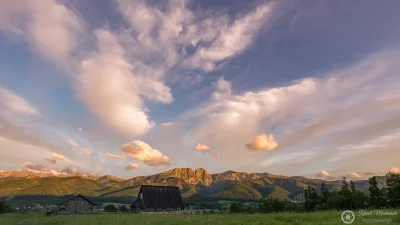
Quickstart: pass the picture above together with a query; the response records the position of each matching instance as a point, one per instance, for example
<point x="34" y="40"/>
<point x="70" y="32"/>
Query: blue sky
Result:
<point x="134" y="87"/>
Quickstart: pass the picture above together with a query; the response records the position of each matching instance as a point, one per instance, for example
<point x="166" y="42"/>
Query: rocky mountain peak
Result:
<point x="190" y="176"/>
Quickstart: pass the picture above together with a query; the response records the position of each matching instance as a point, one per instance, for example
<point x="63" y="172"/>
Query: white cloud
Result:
<point x="202" y="148"/>
<point x="262" y="142"/>
<point x="231" y="39"/>
<point x="10" y="102"/>
<point x="143" y="152"/>
<point x="158" y="32"/>
<point x="111" y="90"/>
<point x="115" y="156"/>
<point x="57" y="156"/>
<point x="48" y="26"/>
<point x="222" y="89"/>
<point x="132" y="166"/>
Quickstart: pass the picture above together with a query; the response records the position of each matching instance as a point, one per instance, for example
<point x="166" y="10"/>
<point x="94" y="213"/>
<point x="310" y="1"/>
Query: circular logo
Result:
<point x="348" y="217"/>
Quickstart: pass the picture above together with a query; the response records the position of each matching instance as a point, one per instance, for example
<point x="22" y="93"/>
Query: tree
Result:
<point x="324" y="196"/>
<point x="393" y="189"/>
<point x="110" y="208"/>
<point x="346" y="201"/>
<point x="272" y="205"/>
<point x="310" y="199"/>
<point x="374" y="192"/>
<point x="237" y="207"/>
<point x="352" y="186"/>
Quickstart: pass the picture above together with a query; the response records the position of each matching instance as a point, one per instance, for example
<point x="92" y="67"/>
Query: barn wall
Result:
<point x="78" y="206"/>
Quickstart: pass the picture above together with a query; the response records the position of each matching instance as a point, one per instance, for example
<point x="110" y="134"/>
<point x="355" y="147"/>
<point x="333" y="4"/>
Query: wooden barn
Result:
<point x="78" y="204"/>
<point x="158" y="197"/>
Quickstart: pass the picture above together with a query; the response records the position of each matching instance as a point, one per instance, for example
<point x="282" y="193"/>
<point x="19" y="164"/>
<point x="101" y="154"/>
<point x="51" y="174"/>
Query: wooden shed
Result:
<point x="78" y="204"/>
<point x="158" y="197"/>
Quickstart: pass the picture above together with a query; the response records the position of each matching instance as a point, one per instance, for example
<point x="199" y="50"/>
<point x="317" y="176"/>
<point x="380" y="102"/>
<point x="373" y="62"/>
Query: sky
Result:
<point x="132" y="87"/>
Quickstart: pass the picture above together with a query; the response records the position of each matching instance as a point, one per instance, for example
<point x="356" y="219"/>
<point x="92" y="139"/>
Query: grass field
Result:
<point x="248" y="219"/>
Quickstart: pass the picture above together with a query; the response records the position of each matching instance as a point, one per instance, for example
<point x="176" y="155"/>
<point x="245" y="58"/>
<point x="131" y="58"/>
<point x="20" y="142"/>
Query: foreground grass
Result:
<point x="239" y="219"/>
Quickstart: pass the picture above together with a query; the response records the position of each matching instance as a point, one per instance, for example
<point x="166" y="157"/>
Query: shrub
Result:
<point x="4" y="208"/>
<point x="110" y="208"/>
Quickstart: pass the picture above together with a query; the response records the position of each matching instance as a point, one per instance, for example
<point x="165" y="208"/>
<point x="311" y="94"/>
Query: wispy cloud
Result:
<point x="115" y="156"/>
<point x="12" y="103"/>
<point x="78" y="147"/>
<point x="33" y="166"/>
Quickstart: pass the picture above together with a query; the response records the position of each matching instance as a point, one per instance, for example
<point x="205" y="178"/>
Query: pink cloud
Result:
<point x="354" y="175"/>
<point x="143" y="152"/>
<point x="78" y="147"/>
<point x="33" y="166"/>
<point x="57" y="156"/>
<point x="115" y="156"/>
<point x="323" y="173"/>
<point x="131" y="166"/>
<point x="202" y="148"/>
<point x="262" y="142"/>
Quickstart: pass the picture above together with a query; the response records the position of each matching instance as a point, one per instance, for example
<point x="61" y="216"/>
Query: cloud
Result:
<point x="394" y="170"/>
<point x="52" y="161"/>
<point x="112" y="89"/>
<point x="143" y="152"/>
<point x="33" y="166"/>
<point x="13" y="103"/>
<point x="353" y="175"/>
<point x="132" y="166"/>
<point x="78" y="147"/>
<point x="215" y="155"/>
<point x="57" y="156"/>
<point x="222" y="89"/>
<point x="49" y="27"/>
<point x="115" y="156"/>
<point x="381" y="142"/>
<point x="71" y="170"/>
<point x="202" y="148"/>
<point x="229" y="40"/>
<point x="323" y="173"/>
<point x="262" y="142"/>
<point x="304" y="113"/>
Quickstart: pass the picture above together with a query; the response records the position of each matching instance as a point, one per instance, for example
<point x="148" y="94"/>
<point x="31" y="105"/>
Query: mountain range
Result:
<point x="194" y="184"/>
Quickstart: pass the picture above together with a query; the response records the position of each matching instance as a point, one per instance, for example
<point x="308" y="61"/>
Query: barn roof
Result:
<point x="78" y="197"/>
<point x="158" y="197"/>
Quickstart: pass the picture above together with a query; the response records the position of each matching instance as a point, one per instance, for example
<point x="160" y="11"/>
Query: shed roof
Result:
<point x="77" y="198"/>
<point x="159" y="197"/>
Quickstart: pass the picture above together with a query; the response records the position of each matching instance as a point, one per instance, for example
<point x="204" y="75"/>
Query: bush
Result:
<point x="110" y="208"/>
<point x="123" y="209"/>
<point x="4" y="208"/>
<point x="237" y="207"/>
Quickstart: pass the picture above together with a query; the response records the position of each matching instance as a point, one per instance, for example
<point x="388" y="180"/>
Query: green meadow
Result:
<point x="332" y="217"/>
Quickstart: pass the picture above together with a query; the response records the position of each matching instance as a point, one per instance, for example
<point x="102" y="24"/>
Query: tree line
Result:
<point x="348" y="197"/>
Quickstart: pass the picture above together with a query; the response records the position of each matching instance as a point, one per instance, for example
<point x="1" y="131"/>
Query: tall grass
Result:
<point x="328" y="217"/>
